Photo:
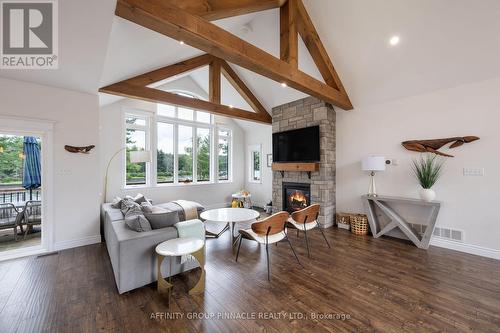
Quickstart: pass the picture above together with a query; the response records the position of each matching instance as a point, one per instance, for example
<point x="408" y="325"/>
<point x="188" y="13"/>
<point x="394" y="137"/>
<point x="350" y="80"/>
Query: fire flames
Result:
<point x="297" y="200"/>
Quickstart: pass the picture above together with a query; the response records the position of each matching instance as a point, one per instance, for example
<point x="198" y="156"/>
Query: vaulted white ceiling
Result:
<point x="444" y="43"/>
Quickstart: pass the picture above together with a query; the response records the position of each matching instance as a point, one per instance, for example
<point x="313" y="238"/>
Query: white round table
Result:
<point x="178" y="247"/>
<point x="230" y="216"/>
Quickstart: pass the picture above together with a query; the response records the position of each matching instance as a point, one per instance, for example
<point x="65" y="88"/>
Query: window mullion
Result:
<point x="195" y="154"/>
<point x="176" y="157"/>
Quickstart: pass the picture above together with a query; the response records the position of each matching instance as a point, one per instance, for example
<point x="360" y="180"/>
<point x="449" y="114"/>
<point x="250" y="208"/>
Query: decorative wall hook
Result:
<point x="83" y="150"/>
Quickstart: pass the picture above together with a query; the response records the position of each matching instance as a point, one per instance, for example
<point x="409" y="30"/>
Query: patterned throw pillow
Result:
<point x="134" y="218"/>
<point x="138" y="223"/>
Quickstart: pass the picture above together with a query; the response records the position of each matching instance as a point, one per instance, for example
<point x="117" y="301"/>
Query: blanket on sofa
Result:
<point x="190" y="209"/>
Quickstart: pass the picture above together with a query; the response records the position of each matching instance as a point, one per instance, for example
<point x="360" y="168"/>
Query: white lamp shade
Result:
<point x="140" y="156"/>
<point x="373" y="163"/>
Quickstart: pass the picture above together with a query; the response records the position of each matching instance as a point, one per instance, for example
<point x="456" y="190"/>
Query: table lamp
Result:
<point x="373" y="164"/>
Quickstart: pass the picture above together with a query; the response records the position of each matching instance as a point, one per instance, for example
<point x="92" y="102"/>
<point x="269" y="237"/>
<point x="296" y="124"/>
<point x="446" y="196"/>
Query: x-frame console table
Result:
<point x="384" y="203"/>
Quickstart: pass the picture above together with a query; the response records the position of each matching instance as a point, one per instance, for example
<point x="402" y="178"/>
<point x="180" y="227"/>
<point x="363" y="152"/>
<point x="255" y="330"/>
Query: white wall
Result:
<point x="258" y="134"/>
<point x="468" y="203"/>
<point x="76" y="176"/>
<point x="210" y="195"/>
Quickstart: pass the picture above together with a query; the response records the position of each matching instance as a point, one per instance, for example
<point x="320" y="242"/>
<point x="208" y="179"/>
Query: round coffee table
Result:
<point x="230" y="216"/>
<point x="175" y="248"/>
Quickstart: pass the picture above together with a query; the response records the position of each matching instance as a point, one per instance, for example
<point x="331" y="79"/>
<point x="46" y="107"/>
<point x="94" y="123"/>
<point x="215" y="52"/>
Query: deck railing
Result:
<point x="16" y="194"/>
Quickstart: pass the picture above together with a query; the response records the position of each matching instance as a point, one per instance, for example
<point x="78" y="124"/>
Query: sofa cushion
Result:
<point x="161" y="218"/>
<point x="138" y="223"/>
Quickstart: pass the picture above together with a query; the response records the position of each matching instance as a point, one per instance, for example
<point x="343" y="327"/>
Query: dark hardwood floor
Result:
<point x="380" y="285"/>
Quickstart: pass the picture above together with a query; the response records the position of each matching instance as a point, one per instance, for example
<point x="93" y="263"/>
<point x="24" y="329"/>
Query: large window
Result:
<point x="254" y="155"/>
<point x="203" y="154"/>
<point x="224" y="137"/>
<point x="165" y="163"/>
<point x="136" y="139"/>
<point x="190" y="148"/>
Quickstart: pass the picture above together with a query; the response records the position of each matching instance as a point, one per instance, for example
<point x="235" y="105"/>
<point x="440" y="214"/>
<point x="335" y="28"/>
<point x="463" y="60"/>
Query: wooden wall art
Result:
<point x="83" y="150"/>
<point x="432" y="146"/>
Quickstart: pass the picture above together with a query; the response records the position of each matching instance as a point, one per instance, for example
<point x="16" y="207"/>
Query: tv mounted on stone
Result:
<point x="299" y="145"/>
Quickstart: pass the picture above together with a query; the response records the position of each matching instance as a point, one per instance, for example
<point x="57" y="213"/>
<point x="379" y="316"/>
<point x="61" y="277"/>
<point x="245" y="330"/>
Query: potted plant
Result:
<point x="427" y="171"/>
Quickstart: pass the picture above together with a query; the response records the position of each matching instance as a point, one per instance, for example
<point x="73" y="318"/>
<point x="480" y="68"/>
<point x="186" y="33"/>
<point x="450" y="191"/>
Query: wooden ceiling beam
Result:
<point x="289" y="37"/>
<point x="214" y="84"/>
<point x="169" y="20"/>
<point x="128" y="90"/>
<point x="219" y="9"/>
<point x="243" y="90"/>
<point x="316" y="48"/>
<point x="172" y="70"/>
<point x="134" y="88"/>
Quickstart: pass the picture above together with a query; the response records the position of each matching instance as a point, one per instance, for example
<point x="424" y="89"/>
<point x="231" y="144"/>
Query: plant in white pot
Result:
<point x="427" y="171"/>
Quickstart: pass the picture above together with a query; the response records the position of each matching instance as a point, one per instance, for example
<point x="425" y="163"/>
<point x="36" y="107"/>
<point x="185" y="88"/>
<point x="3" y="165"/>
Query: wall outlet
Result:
<point x="473" y="171"/>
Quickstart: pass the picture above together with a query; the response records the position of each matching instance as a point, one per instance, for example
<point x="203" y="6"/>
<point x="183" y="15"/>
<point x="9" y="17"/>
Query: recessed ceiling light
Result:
<point x="283" y="84"/>
<point x="394" y="40"/>
<point x="181" y="42"/>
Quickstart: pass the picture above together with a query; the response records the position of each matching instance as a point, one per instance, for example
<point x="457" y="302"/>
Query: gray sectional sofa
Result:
<point x="132" y="253"/>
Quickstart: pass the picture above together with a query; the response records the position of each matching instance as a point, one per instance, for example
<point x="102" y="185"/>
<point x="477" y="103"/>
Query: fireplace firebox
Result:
<point x="296" y="196"/>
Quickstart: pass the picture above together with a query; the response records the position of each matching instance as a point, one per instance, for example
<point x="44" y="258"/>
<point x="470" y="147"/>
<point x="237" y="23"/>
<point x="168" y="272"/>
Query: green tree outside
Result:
<point x="11" y="165"/>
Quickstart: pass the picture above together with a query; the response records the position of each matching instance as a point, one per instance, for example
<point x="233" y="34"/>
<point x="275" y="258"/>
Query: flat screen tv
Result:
<point x="300" y="145"/>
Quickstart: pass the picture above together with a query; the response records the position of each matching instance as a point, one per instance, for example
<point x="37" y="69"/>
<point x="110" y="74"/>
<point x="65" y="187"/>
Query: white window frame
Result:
<point x="229" y="153"/>
<point x="151" y="128"/>
<point x="251" y="150"/>
<point x="147" y="129"/>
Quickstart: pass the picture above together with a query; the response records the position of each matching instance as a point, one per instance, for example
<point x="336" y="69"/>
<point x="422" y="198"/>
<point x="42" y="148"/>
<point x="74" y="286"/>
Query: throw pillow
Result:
<point x="138" y="223"/>
<point x="161" y="218"/>
<point x="117" y="203"/>
<point x="139" y="198"/>
<point x="128" y="204"/>
<point x="147" y="207"/>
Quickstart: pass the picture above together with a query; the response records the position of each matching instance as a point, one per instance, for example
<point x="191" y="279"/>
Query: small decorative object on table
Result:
<point x="427" y="171"/>
<point x="359" y="224"/>
<point x="243" y="199"/>
<point x="269" y="207"/>
<point x="343" y="220"/>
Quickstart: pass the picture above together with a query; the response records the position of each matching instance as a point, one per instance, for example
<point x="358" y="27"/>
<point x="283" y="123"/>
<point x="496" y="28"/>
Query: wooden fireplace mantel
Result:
<point x="305" y="167"/>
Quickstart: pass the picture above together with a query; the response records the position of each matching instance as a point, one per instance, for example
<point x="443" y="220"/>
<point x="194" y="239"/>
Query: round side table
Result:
<point x="178" y="247"/>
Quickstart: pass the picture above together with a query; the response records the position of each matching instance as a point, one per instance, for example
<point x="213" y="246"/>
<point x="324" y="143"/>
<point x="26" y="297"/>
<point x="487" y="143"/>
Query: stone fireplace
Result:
<point x="321" y="185"/>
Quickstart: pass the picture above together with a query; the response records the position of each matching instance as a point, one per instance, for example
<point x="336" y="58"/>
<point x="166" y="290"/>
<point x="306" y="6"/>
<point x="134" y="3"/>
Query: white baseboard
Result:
<point x="467" y="248"/>
<point x="68" y="244"/>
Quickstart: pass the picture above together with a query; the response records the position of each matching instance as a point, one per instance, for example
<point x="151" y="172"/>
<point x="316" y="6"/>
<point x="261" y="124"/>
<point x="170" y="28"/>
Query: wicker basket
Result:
<point x="359" y="224"/>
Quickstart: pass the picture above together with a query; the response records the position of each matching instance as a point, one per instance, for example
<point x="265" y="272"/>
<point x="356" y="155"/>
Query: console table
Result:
<point x="385" y="205"/>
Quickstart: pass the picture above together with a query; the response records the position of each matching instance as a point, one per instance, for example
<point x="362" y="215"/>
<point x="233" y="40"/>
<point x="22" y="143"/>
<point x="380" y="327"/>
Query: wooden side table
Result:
<point x="384" y="204"/>
<point x="178" y="247"/>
